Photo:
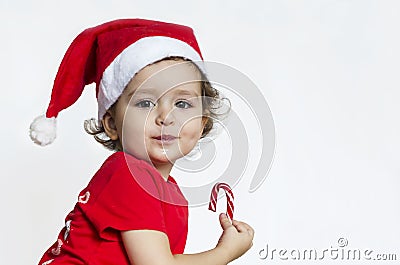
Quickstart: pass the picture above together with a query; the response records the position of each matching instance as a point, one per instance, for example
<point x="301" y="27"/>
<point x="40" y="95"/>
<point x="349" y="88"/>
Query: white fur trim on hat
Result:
<point x="134" y="58"/>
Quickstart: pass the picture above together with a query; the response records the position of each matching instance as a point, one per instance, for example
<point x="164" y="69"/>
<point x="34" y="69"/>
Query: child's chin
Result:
<point x="163" y="158"/>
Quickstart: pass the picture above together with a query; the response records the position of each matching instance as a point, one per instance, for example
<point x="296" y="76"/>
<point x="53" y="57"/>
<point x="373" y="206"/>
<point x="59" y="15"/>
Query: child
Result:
<point x="154" y="104"/>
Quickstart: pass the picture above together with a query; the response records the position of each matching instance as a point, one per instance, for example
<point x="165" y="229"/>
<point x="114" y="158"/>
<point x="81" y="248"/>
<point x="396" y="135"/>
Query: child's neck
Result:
<point x="164" y="169"/>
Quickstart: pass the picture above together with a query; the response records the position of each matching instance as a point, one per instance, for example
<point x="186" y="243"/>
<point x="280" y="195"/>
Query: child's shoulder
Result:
<point x="122" y="173"/>
<point x="123" y="166"/>
<point x="121" y="160"/>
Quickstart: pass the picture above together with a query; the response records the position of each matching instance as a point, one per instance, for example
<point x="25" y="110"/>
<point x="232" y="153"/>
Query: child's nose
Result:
<point x="165" y="116"/>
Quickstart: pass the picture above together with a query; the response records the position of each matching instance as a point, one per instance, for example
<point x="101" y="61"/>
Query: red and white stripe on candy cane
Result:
<point x="229" y="198"/>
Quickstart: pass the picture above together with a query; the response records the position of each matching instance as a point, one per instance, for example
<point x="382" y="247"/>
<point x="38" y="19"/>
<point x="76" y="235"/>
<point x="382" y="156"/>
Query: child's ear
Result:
<point x="109" y="126"/>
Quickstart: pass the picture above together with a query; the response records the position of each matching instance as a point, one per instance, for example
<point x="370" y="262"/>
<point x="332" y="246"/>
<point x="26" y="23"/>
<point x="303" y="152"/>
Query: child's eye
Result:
<point x="145" y="104"/>
<point x="183" y="104"/>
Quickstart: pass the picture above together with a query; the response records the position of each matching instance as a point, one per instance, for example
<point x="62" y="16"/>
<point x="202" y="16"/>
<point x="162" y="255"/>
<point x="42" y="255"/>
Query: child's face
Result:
<point x="158" y="117"/>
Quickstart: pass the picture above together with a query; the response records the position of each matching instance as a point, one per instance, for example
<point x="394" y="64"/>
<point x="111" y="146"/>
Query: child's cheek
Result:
<point x="192" y="129"/>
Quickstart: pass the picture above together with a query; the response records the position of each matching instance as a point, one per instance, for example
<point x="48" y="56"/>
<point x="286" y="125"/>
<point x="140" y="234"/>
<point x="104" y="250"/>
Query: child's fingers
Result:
<point x="239" y="226"/>
<point x="224" y="221"/>
<point x="243" y="227"/>
<point x="250" y="229"/>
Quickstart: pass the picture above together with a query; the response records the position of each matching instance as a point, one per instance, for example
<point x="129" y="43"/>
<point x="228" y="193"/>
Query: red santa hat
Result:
<point x="110" y="55"/>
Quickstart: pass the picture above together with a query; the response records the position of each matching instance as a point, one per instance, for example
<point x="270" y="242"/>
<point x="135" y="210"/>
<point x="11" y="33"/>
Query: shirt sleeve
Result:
<point x="129" y="200"/>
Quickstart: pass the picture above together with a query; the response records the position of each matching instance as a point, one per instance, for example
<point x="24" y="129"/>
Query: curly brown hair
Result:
<point x="211" y="100"/>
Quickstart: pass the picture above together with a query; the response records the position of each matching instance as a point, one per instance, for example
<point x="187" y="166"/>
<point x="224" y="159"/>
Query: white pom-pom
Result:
<point x="43" y="130"/>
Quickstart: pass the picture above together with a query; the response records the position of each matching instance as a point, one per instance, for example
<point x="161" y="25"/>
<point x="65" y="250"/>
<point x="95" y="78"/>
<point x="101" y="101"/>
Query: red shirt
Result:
<point x="125" y="194"/>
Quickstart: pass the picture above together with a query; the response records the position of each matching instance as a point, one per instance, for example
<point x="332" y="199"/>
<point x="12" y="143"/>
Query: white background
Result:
<point x="328" y="69"/>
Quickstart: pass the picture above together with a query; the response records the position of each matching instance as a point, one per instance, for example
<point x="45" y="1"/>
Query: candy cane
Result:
<point x="229" y="198"/>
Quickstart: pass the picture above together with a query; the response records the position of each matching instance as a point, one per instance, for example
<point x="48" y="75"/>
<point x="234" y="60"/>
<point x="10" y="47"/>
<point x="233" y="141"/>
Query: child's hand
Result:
<point x="236" y="239"/>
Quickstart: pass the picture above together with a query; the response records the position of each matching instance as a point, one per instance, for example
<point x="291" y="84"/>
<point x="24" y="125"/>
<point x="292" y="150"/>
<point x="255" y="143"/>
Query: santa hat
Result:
<point x="110" y="55"/>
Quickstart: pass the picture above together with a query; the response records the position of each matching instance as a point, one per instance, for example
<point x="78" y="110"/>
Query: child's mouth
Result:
<point x="165" y="138"/>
